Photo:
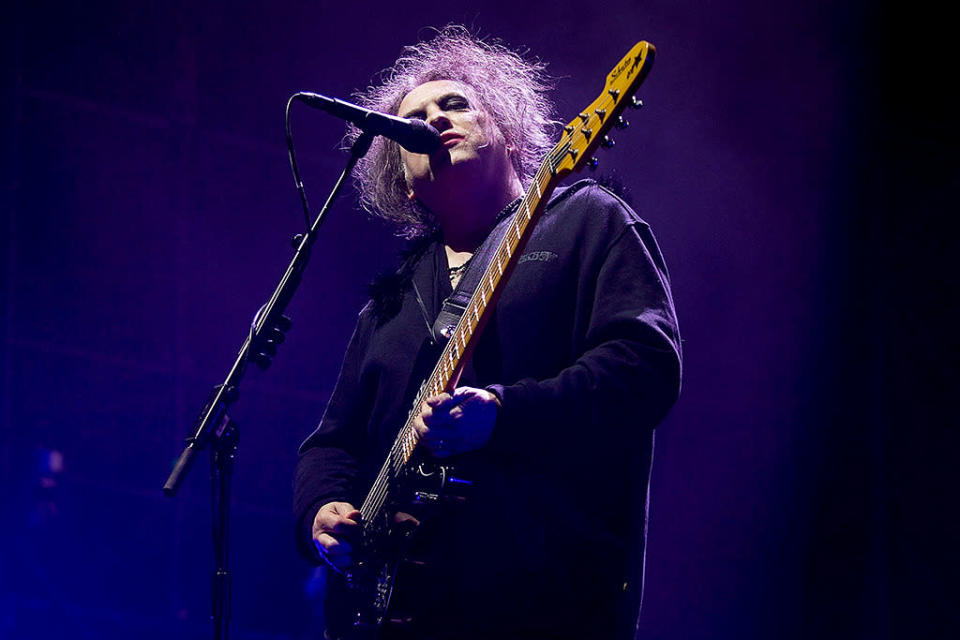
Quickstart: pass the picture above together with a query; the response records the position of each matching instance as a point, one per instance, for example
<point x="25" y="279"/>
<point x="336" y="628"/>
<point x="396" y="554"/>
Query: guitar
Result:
<point x="409" y="477"/>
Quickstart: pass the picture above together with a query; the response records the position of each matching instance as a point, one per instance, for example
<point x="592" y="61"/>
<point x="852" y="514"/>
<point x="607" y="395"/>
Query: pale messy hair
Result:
<point x="510" y="87"/>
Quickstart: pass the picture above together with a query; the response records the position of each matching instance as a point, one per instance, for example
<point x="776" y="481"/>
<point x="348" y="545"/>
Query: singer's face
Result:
<point x="471" y="147"/>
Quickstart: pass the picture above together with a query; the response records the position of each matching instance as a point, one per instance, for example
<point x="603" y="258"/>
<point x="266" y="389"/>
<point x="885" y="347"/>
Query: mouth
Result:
<point x="450" y="138"/>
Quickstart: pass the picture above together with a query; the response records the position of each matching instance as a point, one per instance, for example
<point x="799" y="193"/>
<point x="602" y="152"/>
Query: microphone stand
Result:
<point x="214" y="427"/>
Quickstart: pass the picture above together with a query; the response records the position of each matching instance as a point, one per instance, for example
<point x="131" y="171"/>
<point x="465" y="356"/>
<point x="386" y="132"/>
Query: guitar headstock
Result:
<point x="589" y="129"/>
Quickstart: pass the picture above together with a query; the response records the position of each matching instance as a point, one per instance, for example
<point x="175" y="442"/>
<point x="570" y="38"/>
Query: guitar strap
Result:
<point x="454" y="306"/>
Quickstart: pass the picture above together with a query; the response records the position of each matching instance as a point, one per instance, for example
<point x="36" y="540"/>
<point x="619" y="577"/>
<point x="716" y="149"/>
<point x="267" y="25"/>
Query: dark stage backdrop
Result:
<point x="801" y="486"/>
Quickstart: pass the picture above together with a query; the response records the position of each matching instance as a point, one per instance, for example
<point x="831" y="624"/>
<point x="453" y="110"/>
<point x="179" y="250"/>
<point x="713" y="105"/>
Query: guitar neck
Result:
<point x="463" y="338"/>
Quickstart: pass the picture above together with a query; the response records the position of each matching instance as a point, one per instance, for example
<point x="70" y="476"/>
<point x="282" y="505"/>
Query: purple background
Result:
<point x="796" y="160"/>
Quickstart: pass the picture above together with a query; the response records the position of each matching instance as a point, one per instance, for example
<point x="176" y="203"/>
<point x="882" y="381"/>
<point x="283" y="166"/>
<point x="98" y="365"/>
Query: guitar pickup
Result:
<point x="425" y="497"/>
<point x="430" y="498"/>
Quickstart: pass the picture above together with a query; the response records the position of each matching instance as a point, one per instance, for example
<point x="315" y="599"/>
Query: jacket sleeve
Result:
<point x="328" y="459"/>
<point x="629" y="371"/>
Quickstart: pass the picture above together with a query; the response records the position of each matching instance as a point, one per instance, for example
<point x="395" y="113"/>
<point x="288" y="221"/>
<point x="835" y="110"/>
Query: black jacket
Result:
<point x="584" y="353"/>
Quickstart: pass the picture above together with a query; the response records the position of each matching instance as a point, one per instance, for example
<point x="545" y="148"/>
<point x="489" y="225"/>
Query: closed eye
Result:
<point x="449" y="102"/>
<point x="455" y="103"/>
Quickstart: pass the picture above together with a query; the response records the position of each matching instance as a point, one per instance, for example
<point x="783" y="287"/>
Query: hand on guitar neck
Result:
<point x="447" y="425"/>
<point x="451" y="424"/>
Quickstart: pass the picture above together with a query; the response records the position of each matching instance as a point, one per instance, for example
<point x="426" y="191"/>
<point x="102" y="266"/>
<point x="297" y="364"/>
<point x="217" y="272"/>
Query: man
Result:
<point x="554" y="413"/>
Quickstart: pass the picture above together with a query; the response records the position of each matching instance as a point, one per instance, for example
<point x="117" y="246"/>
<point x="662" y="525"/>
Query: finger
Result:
<point x="345" y="509"/>
<point x="439" y="418"/>
<point x="344" y="527"/>
<point x="439" y="400"/>
<point x="328" y="519"/>
<point x="332" y="512"/>
<point x="446" y="408"/>
<point x="338" y="560"/>
<point x="338" y="548"/>
<point x="325" y="543"/>
<point x="462" y="394"/>
<point x="337" y="524"/>
<point x="420" y="427"/>
<point x="425" y="409"/>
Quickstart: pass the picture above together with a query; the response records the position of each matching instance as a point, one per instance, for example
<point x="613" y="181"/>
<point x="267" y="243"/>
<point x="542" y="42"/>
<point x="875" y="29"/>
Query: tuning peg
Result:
<point x="636" y="102"/>
<point x="622" y="123"/>
<point x="593" y="163"/>
<point x="607" y="142"/>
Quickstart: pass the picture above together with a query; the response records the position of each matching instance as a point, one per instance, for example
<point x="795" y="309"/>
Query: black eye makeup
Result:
<point x="448" y="102"/>
<point x="455" y="102"/>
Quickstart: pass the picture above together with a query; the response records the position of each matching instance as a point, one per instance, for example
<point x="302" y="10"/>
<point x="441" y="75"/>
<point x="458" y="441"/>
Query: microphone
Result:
<point x="416" y="136"/>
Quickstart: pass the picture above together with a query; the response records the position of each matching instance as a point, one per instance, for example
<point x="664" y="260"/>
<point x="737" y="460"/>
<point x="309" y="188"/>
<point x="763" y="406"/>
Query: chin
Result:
<point x="455" y="161"/>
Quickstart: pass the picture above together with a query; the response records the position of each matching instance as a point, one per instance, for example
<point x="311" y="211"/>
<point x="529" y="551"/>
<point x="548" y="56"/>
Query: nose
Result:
<point x="437" y="118"/>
